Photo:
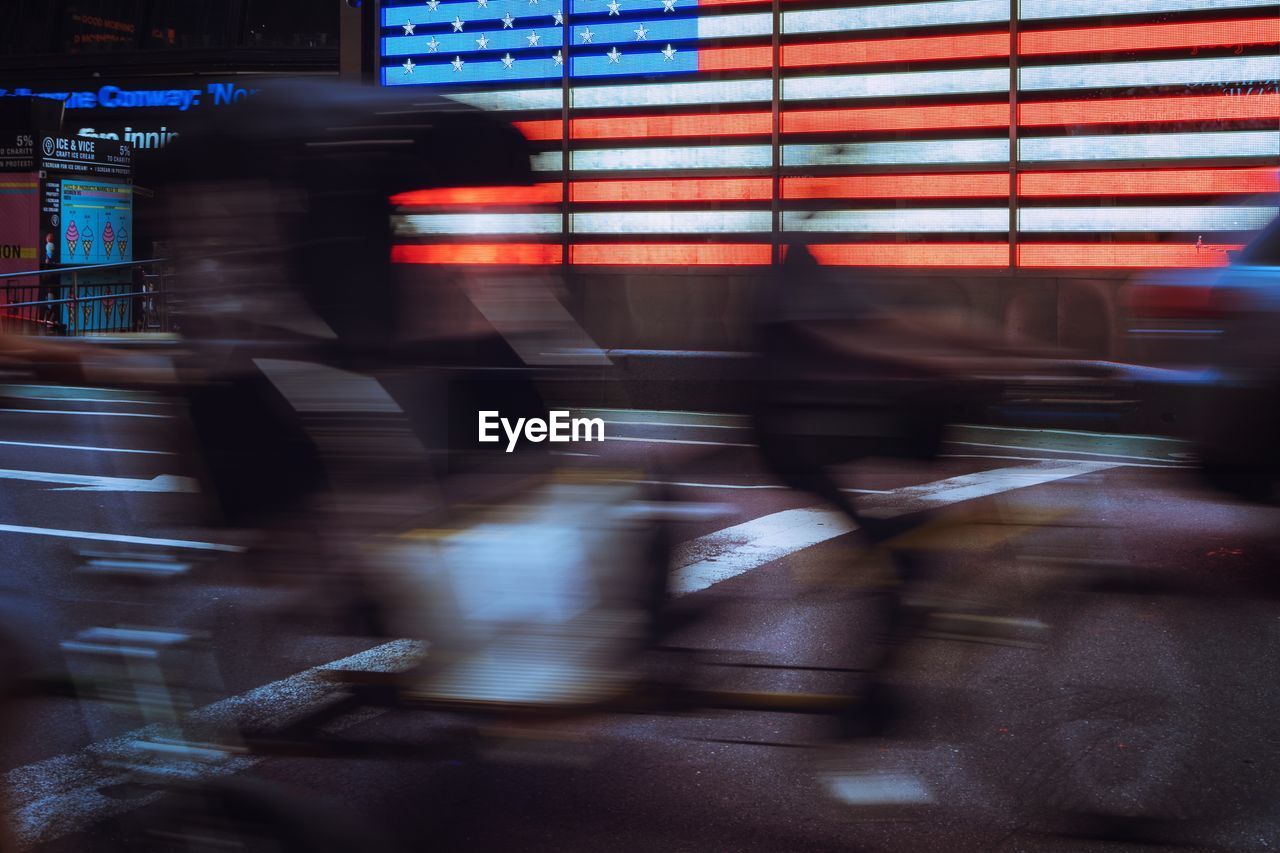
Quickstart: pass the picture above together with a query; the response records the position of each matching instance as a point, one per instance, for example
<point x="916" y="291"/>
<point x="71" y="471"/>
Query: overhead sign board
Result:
<point x="82" y="154"/>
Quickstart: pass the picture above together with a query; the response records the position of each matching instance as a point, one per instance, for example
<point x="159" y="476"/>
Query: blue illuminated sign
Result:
<point x="117" y="97"/>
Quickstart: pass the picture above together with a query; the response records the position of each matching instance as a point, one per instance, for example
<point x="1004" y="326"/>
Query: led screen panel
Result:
<point x="892" y="136"/>
<point x="96" y="222"/>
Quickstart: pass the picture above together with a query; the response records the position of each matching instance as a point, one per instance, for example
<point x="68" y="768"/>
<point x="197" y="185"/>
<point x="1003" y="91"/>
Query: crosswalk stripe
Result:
<point x="725" y="554"/>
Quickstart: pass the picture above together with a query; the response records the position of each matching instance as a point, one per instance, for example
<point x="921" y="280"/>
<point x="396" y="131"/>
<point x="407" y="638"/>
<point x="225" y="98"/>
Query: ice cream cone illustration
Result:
<point x="122" y="240"/>
<point x="86" y="241"/>
<point x="108" y="238"/>
<point x="72" y="235"/>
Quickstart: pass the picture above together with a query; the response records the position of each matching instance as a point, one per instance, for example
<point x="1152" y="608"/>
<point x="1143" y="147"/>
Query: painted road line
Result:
<point x="673" y="424"/>
<point x="982" y="484"/>
<point x="87" y="448"/>
<point x="62" y="795"/>
<point x="1034" y="449"/>
<point x="735" y="550"/>
<point x="91" y="483"/>
<point x="65" y="392"/>
<point x="4" y="410"/>
<point x="668" y="417"/>
<point x="189" y="544"/>
<point x="1072" y="432"/>
<point x="1168" y="465"/>
<point x="676" y="441"/>
<point x="1162" y="448"/>
<point x="727" y="553"/>
<point x="746" y="487"/>
<point x="96" y="400"/>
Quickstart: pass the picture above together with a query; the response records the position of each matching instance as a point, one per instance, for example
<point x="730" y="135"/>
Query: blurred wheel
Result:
<point x="1117" y="719"/>
<point x="245" y="815"/>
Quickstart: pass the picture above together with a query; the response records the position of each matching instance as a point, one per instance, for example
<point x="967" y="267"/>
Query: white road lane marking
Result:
<point x="675" y="441"/>
<point x="672" y="424"/>
<point x="1048" y="459"/>
<point x="727" y="553"/>
<point x="188" y="544"/>
<point x="1051" y="450"/>
<point x="87" y="448"/>
<point x="68" y="392"/>
<point x="4" y="410"/>
<point x="694" y="416"/>
<point x="62" y="795"/>
<point x="93" y="483"/>
<point x="746" y="487"/>
<point x="96" y="400"/>
<point x="1072" y="433"/>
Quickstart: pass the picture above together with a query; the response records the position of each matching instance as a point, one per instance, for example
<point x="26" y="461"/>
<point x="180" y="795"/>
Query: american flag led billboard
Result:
<point x="715" y="132"/>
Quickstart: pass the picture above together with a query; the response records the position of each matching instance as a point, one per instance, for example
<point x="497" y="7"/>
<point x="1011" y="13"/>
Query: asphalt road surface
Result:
<point x="1104" y="641"/>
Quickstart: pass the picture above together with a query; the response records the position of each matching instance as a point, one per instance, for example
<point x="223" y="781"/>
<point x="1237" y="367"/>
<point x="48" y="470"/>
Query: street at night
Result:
<point x="652" y="426"/>
<point x="1153" y="689"/>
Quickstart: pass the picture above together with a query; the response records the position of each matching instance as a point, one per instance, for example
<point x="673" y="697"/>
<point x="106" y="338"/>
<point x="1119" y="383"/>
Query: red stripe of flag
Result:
<point x="1150" y="182"/>
<point x="647" y="127"/>
<point x="540" y="131"/>
<point x="859" y="52"/>
<point x="735" y="58"/>
<point x="979" y="185"/>
<point x="671" y="254"/>
<point x="875" y="119"/>
<point x="913" y="254"/>
<point x="1122" y="255"/>
<point x="1127" y="110"/>
<point x="480" y="196"/>
<point x="653" y="127"/>
<point x="920" y="49"/>
<point x="1210" y="34"/>
<point x="655" y="189"/>
<point x="487" y="254"/>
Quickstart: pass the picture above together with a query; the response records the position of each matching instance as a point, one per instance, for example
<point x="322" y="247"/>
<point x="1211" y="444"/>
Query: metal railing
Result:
<point x="96" y="299"/>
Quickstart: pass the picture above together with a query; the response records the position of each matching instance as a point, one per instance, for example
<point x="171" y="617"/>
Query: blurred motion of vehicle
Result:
<point x="1218" y="329"/>
<point x="330" y="409"/>
<point x="332" y="400"/>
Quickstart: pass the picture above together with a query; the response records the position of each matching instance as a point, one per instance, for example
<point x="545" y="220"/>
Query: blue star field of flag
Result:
<point x="487" y="41"/>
